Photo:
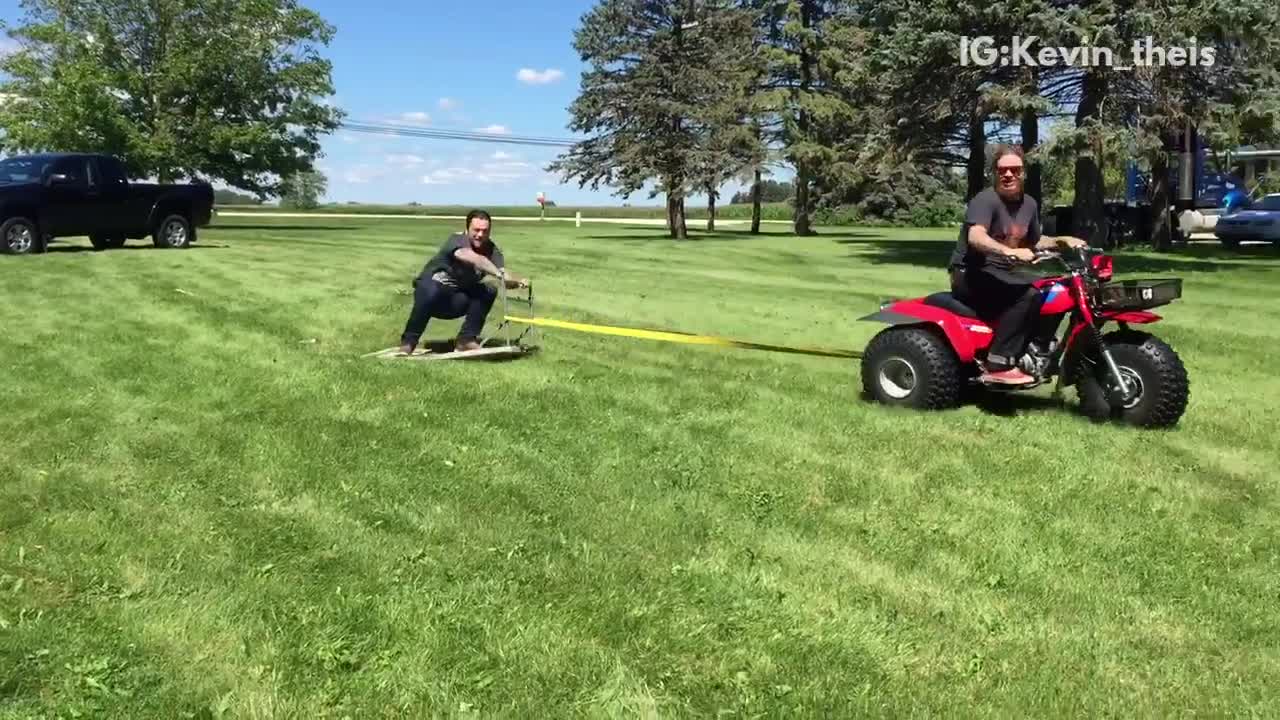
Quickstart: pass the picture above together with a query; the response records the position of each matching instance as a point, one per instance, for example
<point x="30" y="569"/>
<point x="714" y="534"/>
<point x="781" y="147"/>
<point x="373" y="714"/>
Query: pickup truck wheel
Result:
<point x="174" y="231"/>
<point x="20" y="236"/>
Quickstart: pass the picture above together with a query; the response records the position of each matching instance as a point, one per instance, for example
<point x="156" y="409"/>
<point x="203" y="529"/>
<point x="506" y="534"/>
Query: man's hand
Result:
<point x="1054" y="242"/>
<point x="1023" y="254"/>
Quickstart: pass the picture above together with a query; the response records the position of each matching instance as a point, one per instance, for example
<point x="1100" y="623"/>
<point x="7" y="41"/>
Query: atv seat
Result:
<point x="948" y="302"/>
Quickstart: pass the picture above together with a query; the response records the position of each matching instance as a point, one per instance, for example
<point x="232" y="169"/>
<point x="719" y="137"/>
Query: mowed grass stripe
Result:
<point x="210" y="501"/>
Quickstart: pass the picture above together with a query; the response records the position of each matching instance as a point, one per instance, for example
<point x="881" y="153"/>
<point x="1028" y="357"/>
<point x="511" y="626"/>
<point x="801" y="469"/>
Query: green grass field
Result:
<point x="212" y="506"/>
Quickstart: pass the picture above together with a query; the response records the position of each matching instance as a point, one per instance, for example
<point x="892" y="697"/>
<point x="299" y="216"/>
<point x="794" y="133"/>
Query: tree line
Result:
<point x="212" y="89"/>
<point x="870" y="101"/>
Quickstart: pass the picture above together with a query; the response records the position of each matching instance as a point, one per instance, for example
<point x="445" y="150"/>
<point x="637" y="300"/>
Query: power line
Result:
<point x="445" y="134"/>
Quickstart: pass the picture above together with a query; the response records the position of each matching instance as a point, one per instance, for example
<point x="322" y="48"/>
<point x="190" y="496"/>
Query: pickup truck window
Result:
<point x="73" y="168"/>
<point x="22" y="170"/>
<point x="111" y="172"/>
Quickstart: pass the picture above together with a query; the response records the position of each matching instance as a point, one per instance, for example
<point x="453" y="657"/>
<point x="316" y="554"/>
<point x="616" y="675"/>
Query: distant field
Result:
<point x="211" y="506"/>
<point x="769" y="211"/>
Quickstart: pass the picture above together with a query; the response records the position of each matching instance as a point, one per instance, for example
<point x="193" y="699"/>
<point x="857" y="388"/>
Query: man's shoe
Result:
<point x="466" y="345"/>
<point x="1012" y="376"/>
<point x="406" y="349"/>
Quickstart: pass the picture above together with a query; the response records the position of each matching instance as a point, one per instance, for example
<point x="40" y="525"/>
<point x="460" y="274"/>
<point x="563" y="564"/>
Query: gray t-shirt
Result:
<point x="1016" y="224"/>
<point x="448" y="270"/>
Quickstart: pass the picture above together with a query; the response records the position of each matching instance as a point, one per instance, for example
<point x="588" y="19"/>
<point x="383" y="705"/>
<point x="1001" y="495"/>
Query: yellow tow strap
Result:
<point x="680" y="337"/>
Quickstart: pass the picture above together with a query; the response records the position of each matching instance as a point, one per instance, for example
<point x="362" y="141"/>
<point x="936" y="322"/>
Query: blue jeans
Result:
<point x="431" y="299"/>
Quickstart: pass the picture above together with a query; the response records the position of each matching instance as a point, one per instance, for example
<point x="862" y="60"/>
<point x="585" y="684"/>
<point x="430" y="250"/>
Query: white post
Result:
<point x="577" y="218"/>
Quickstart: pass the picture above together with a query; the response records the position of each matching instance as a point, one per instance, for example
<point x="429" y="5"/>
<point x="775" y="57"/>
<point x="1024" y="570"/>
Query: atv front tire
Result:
<point x="1163" y="389"/>
<point x="911" y="367"/>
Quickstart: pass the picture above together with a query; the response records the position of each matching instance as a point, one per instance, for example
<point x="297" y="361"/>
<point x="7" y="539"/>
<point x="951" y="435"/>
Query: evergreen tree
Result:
<point x="666" y="79"/>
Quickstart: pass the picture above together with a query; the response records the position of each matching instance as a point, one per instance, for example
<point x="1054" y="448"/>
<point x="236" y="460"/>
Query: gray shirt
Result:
<point x="448" y="270"/>
<point x="1015" y="224"/>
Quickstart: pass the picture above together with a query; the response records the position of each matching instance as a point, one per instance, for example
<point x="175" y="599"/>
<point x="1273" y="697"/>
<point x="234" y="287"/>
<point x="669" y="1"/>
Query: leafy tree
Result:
<point x="216" y="89"/>
<point x="664" y="78"/>
<point x="231" y="197"/>
<point x="917" y="100"/>
<point x="303" y="190"/>
<point x="771" y="191"/>
<point x="1233" y="101"/>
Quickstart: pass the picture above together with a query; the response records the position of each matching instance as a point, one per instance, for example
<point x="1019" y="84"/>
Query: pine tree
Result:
<point x="665" y="79"/>
<point x="801" y="96"/>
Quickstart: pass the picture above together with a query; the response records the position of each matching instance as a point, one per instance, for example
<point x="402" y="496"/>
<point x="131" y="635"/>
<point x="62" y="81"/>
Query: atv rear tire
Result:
<point x="1163" y="386"/>
<point x="911" y="367"/>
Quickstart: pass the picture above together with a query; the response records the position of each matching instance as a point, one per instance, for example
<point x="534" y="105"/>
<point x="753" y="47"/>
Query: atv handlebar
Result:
<point x="1071" y="258"/>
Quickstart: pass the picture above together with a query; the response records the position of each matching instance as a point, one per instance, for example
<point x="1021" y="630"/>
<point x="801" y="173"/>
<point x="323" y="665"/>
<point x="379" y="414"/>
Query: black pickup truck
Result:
<point x="52" y="195"/>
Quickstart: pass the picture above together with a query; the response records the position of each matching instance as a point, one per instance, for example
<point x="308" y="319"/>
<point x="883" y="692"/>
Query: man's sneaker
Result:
<point x="466" y="345"/>
<point x="406" y="349"/>
<point x="1012" y="376"/>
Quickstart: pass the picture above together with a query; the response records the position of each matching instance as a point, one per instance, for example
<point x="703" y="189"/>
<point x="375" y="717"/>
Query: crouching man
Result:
<point x="450" y="285"/>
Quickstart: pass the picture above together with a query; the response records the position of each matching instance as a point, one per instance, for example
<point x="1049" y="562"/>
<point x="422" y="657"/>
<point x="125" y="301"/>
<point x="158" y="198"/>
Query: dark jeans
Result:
<point x="431" y="299"/>
<point x="1011" y="306"/>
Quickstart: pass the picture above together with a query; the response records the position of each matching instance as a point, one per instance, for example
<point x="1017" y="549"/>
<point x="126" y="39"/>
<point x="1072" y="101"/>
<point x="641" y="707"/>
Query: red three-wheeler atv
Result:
<point x="936" y="346"/>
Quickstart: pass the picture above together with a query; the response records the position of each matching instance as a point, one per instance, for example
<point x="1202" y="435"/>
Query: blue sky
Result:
<point x="500" y="65"/>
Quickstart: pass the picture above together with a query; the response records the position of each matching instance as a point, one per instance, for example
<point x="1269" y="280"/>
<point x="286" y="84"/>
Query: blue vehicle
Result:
<point x="1212" y="193"/>
<point x="1259" y="221"/>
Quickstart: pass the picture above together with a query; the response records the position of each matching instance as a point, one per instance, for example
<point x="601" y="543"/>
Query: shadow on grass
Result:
<point x="1013" y="403"/>
<point x="89" y="249"/>
<point x="657" y="233"/>
<point x="313" y="227"/>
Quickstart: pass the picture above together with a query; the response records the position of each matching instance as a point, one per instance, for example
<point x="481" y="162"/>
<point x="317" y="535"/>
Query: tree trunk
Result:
<point x="977" y="166"/>
<point x="711" y="209"/>
<point x="1030" y="139"/>
<point x="803" y="219"/>
<point x="675" y="216"/>
<point x="755" y="202"/>
<point x="1089" y="213"/>
<point x="803" y="209"/>
<point x="1161" y="226"/>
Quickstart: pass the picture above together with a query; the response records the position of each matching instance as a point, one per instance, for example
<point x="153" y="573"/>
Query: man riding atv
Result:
<point x="1001" y="228"/>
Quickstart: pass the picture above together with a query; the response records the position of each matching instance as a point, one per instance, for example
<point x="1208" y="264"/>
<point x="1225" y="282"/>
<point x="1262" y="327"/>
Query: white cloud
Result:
<point x="529" y="76"/>
<point x="405" y="160"/>
<point x="444" y="177"/>
<point x="486" y="173"/>
<point x="417" y="118"/>
<point x="448" y="104"/>
<point x="495" y="130"/>
<point x="500" y="155"/>
<point x="363" y="174"/>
